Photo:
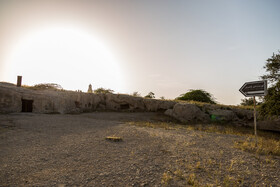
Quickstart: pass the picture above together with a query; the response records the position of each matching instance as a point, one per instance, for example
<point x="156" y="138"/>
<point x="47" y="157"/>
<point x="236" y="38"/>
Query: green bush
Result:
<point x="248" y="102"/>
<point x="103" y="91"/>
<point x="271" y="106"/>
<point x="197" y="95"/>
<point x="46" y="86"/>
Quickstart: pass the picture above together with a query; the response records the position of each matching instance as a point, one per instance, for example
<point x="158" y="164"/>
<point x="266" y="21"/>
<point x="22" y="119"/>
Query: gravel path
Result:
<point x="71" y="150"/>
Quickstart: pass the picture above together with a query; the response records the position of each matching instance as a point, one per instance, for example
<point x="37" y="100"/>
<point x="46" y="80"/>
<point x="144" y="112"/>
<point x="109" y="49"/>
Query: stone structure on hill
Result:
<point x="20" y="99"/>
<point x="89" y="88"/>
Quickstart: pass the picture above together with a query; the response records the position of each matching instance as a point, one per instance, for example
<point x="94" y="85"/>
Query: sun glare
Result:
<point x="67" y="56"/>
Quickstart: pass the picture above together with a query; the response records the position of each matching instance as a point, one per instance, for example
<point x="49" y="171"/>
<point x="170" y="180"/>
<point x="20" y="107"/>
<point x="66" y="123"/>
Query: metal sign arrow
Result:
<point x="255" y="88"/>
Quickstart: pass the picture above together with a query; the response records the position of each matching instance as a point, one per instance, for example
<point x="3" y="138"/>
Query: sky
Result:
<point x="167" y="47"/>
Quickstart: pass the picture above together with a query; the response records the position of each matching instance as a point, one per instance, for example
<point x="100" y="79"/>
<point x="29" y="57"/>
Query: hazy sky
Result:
<point x="167" y="47"/>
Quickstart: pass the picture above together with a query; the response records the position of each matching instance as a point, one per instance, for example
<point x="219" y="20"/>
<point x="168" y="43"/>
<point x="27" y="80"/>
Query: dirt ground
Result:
<point x="71" y="150"/>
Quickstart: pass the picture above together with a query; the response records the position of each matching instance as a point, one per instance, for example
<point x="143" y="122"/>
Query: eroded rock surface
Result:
<point x="188" y="113"/>
<point x="223" y="115"/>
<point x="18" y="99"/>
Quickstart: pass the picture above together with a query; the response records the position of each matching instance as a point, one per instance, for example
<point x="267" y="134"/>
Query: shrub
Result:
<point x="46" y="86"/>
<point x="197" y="95"/>
<point x="103" y="91"/>
<point x="248" y="102"/>
<point x="271" y="105"/>
<point x="150" y="95"/>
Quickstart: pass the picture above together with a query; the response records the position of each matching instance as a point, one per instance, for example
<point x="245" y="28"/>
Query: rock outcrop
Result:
<point x="187" y="113"/>
<point x="272" y="124"/>
<point x="223" y="115"/>
<point x="243" y="114"/>
<point x="18" y="99"/>
<point x="51" y="101"/>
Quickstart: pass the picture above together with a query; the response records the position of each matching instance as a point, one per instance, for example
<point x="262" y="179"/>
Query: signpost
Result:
<point x="256" y="88"/>
<point x="253" y="89"/>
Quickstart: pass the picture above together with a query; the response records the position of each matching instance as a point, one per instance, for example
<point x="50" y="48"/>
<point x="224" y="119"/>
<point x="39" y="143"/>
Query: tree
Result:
<point x="150" y="95"/>
<point x="197" y="95"/>
<point x="248" y="102"/>
<point x="271" y="104"/>
<point x="272" y="66"/>
<point x="103" y="91"/>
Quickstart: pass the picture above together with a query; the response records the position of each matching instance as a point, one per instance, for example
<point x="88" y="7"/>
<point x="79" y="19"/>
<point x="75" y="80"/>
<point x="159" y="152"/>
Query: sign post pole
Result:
<point x="255" y="121"/>
<point x="253" y="89"/>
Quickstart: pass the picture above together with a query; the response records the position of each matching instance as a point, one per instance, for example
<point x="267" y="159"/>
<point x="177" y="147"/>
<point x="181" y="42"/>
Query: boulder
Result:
<point x="271" y="125"/>
<point x="10" y="99"/>
<point x="187" y="113"/>
<point x="169" y="112"/>
<point x="151" y="105"/>
<point x="124" y="102"/>
<point x="165" y="105"/>
<point x="243" y="114"/>
<point x="154" y="105"/>
<point x="222" y="115"/>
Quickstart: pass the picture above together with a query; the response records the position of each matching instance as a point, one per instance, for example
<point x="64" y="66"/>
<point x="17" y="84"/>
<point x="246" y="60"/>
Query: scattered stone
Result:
<point x="114" y="138"/>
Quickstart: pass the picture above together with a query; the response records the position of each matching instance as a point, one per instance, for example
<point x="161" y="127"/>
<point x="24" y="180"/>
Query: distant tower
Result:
<point x="89" y="88"/>
<point x="19" y="78"/>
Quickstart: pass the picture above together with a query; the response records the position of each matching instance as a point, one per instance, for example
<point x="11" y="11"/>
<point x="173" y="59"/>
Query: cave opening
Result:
<point x="27" y="105"/>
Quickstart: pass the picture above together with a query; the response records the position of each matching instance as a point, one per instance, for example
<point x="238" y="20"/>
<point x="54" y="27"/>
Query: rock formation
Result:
<point x="20" y="99"/>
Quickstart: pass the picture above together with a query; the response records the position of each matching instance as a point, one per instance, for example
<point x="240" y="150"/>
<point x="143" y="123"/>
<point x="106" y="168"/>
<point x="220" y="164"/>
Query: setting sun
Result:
<point x="64" y="55"/>
<point x="139" y="93"/>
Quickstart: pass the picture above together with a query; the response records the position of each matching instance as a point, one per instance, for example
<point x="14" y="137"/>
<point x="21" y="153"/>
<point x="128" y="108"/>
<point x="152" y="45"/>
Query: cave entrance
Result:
<point x="27" y="105"/>
<point x="124" y="106"/>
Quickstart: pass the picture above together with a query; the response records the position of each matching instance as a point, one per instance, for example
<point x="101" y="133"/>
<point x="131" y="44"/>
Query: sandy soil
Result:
<point x="71" y="150"/>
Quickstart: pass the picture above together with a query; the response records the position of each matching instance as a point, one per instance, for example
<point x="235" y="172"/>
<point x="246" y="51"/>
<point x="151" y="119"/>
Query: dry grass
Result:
<point x="263" y="145"/>
<point x="166" y="178"/>
<point x="194" y="174"/>
<point x="202" y="104"/>
<point x="164" y="125"/>
<point x="171" y="176"/>
<point x="196" y="170"/>
<point x="268" y="142"/>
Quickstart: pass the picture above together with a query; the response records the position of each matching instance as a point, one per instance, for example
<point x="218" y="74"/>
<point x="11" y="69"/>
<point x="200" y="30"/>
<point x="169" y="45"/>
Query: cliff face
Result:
<point x="18" y="99"/>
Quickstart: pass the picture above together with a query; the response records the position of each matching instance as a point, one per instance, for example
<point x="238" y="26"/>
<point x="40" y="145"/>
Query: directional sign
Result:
<point x="255" y="88"/>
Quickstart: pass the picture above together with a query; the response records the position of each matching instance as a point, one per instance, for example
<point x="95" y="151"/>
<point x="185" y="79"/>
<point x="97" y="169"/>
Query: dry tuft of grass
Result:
<point x="176" y="175"/>
<point x="166" y="178"/>
<point x="191" y="180"/>
<point x="263" y="145"/>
